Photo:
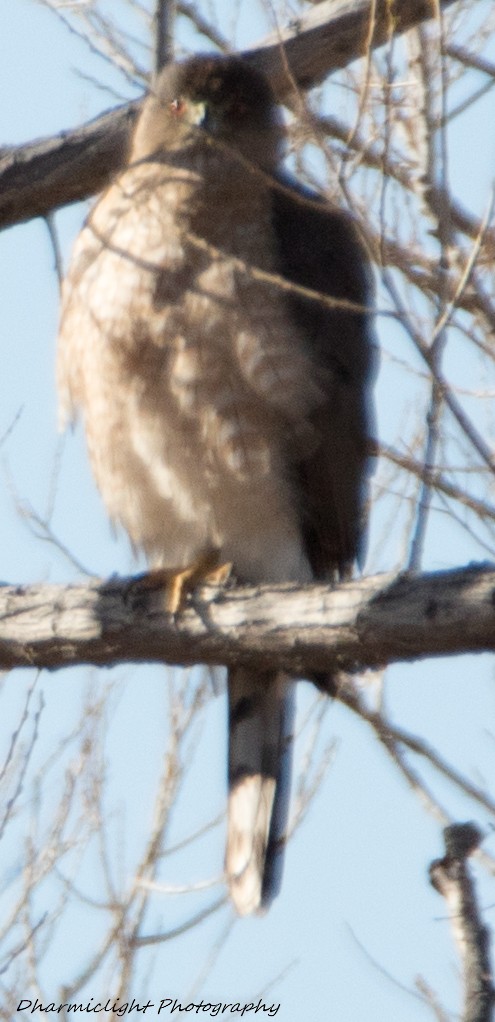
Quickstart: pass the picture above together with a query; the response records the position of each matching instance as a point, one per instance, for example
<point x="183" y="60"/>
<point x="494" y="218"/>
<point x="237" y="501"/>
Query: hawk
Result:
<point x="226" y="405"/>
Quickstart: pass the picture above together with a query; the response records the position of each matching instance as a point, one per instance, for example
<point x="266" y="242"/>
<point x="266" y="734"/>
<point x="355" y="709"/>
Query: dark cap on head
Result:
<point x="223" y="96"/>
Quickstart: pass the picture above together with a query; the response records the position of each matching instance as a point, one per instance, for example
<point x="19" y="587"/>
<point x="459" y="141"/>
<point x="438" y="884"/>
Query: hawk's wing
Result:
<point x="319" y="248"/>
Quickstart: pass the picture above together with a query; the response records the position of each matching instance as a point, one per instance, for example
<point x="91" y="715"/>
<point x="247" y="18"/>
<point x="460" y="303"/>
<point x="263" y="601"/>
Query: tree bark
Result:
<point x="451" y="877"/>
<point x="333" y="34"/>
<point x="367" y="623"/>
<point x="38" y="178"/>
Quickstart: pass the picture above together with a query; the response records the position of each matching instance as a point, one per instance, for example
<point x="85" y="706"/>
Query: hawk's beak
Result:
<point x="197" y="114"/>
<point x="201" y="115"/>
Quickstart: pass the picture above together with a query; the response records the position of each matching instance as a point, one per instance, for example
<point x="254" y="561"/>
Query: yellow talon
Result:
<point x="180" y="582"/>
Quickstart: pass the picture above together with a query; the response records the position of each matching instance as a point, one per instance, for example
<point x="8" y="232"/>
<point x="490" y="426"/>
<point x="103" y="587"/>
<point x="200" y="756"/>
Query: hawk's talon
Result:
<point x="179" y="583"/>
<point x="182" y="583"/>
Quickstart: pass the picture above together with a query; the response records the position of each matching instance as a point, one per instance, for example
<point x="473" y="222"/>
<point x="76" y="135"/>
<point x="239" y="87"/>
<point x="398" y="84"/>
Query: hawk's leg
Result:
<point x="180" y="582"/>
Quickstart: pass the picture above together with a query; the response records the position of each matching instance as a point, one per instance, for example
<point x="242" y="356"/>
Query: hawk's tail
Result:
<point x="261" y="715"/>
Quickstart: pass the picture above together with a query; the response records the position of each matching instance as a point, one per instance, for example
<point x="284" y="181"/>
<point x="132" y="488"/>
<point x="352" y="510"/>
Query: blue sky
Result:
<point x="356" y="921"/>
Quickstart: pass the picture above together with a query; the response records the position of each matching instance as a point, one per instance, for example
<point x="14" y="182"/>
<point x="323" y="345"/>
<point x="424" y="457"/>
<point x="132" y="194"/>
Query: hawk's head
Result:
<point x="223" y="97"/>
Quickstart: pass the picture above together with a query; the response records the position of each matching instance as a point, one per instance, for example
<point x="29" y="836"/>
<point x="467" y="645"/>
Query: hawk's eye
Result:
<point x="177" y="107"/>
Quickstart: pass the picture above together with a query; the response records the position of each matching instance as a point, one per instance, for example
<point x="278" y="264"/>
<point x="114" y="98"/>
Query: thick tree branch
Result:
<point x="332" y="35"/>
<point x="38" y="178"/>
<point x="366" y="623"/>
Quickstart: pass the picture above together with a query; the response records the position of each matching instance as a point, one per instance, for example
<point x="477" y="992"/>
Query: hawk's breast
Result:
<point x="177" y="344"/>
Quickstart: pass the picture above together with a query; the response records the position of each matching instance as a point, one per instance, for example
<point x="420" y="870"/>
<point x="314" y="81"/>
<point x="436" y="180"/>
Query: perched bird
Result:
<point x="226" y="406"/>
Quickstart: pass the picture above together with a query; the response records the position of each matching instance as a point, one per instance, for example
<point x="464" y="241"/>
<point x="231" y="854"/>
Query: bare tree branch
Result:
<point x="41" y="176"/>
<point x="332" y="35"/>
<point x="438" y="481"/>
<point x="451" y="877"/>
<point x="38" y="178"/>
<point x="366" y="623"/>
<point x="164" y="32"/>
